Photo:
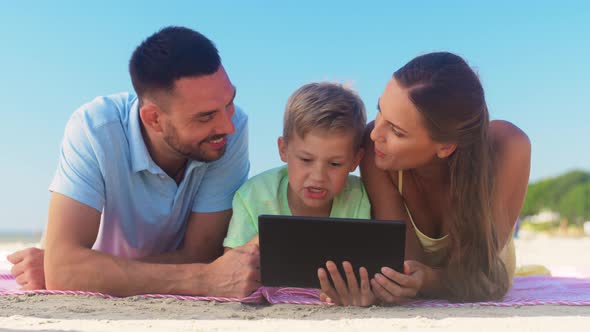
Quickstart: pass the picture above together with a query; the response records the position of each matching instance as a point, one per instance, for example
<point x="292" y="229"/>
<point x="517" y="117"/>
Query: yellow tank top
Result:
<point x="436" y="249"/>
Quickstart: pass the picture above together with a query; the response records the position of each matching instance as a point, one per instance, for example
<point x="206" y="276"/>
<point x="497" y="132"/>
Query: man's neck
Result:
<point x="168" y="161"/>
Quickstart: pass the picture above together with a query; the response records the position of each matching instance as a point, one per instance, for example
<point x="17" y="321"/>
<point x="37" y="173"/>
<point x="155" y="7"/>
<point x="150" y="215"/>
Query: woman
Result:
<point x="458" y="180"/>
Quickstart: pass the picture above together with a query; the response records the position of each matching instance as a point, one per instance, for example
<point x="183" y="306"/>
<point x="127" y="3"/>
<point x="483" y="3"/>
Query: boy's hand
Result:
<point x="345" y="293"/>
<point x="394" y="287"/>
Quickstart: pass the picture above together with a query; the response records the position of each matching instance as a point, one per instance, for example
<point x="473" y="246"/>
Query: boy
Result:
<point x="322" y="134"/>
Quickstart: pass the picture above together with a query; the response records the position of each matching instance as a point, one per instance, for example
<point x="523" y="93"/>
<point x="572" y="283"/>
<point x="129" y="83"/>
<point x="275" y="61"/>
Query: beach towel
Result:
<point x="529" y="290"/>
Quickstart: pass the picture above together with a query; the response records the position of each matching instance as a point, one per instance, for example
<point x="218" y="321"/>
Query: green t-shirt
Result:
<point x="266" y="193"/>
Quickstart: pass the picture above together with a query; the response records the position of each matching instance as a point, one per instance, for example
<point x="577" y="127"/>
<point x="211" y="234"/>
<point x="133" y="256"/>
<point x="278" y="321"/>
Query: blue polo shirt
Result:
<point x="104" y="163"/>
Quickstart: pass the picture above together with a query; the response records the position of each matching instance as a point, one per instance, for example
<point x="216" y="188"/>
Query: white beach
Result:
<point x="564" y="256"/>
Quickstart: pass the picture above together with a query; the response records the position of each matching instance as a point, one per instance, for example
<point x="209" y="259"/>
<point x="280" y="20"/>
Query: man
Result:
<point x="142" y="195"/>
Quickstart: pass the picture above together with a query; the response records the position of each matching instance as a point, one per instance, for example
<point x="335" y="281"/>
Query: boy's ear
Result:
<point x="150" y="115"/>
<point x="445" y="149"/>
<point x="357" y="159"/>
<point x="282" y="148"/>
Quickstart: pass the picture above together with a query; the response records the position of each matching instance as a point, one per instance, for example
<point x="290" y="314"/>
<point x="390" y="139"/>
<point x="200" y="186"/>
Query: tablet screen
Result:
<point x="293" y="248"/>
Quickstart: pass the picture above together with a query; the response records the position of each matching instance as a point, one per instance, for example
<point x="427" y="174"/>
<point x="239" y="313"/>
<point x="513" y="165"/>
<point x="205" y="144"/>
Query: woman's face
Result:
<point x="401" y="139"/>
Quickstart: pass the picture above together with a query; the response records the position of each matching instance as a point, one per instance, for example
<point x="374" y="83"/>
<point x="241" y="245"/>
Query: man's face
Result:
<point x="197" y="116"/>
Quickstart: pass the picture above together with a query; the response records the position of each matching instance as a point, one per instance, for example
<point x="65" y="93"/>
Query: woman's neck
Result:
<point x="435" y="174"/>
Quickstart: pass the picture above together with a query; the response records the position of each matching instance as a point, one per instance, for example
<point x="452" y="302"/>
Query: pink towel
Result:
<point x="534" y="290"/>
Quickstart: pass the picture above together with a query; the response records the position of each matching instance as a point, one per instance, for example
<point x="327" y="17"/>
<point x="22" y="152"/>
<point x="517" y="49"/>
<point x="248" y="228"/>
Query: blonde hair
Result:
<point x="327" y="106"/>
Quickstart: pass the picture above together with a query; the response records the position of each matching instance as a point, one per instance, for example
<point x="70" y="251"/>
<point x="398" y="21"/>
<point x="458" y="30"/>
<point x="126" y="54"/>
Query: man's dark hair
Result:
<point x="170" y="54"/>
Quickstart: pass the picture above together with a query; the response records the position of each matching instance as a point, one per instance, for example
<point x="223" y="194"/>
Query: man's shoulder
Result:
<point x="103" y="110"/>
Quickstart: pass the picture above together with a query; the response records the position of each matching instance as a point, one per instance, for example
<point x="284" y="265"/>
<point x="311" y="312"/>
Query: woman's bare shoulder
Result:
<point x="506" y="135"/>
<point x="512" y="163"/>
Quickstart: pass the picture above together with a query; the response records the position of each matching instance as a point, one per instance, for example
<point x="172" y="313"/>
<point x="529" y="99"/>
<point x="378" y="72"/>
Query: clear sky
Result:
<point x="533" y="58"/>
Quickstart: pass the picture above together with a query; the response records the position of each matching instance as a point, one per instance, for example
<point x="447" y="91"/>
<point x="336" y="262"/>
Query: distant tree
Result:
<point x="568" y="194"/>
<point x="575" y="204"/>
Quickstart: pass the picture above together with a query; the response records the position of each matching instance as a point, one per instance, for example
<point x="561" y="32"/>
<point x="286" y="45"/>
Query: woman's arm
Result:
<point x="512" y="162"/>
<point x="386" y="202"/>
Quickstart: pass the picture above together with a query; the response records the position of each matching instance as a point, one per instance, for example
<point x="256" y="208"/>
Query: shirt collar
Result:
<point x="140" y="157"/>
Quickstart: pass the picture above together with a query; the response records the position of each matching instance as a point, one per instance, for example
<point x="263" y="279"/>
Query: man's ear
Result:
<point x="357" y="159"/>
<point x="151" y="116"/>
<point x="445" y="149"/>
<point x="282" y="148"/>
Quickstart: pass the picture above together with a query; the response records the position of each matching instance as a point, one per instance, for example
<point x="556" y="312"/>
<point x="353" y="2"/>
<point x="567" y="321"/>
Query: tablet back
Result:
<point x="293" y="248"/>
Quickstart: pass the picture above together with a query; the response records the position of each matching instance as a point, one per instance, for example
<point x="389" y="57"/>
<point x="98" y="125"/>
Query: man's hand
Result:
<point x="236" y="273"/>
<point x="345" y="293"/>
<point x="28" y="268"/>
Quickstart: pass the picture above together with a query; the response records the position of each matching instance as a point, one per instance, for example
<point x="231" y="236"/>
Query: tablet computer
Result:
<point x="293" y="248"/>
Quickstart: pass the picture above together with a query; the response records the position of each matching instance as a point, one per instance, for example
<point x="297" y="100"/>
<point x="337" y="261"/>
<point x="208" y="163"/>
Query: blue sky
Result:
<point x="533" y="58"/>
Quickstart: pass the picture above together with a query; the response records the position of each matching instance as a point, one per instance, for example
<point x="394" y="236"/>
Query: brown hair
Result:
<point x="324" y="105"/>
<point x="450" y="98"/>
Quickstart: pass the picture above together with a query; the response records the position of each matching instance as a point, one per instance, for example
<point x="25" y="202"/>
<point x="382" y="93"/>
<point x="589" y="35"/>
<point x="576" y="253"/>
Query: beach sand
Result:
<point x="564" y="256"/>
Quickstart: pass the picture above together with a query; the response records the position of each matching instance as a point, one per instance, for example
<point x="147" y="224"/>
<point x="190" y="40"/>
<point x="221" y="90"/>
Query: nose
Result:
<point x="225" y="125"/>
<point x="376" y="132"/>
<point x="318" y="172"/>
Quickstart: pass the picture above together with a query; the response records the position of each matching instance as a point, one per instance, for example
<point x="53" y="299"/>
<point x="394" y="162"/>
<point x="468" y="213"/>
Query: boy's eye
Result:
<point x="336" y="164"/>
<point x="305" y="160"/>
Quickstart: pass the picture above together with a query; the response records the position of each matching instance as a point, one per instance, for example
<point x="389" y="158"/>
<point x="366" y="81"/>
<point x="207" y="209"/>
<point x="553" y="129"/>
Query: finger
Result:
<point x="327" y="289"/>
<point x="353" y="287"/>
<point x="16" y="257"/>
<point x="324" y="297"/>
<point x="381" y="293"/>
<point x="17" y="269"/>
<point x="395" y="289"/>
<point x="21" y="279"/>
<point x="366" y="293"/>
<point x="339" y="283"/>
<point x="400" y="278"/>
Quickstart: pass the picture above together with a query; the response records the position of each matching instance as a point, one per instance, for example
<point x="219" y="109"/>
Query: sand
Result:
<point x="564" y="256"/>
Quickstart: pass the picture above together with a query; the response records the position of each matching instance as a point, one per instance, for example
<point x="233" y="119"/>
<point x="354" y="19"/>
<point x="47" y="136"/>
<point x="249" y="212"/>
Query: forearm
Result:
<point x="175" y="257"/>
<point x="433" y="286"/>
<point x="89" y="270"/>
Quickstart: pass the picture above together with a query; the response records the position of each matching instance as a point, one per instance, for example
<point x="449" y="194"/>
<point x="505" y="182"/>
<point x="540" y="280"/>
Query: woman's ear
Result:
<point x="445" y="149"/>
<point x="150" y="115"/>
<point x="282" y="148"/>
<point x="357" y="159"/>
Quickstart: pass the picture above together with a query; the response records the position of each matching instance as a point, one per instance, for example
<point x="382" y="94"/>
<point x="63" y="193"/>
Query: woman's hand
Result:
<point x="394" y="287"/>
<point x="345" y="293"/>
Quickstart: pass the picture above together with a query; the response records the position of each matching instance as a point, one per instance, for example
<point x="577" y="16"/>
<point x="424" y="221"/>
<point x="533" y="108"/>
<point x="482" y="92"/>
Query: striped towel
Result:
<point x="532" y="290"/>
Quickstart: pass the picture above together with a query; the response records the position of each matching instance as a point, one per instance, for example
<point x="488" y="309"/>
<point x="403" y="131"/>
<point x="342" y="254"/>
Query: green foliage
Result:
<point x="568" y="194"/>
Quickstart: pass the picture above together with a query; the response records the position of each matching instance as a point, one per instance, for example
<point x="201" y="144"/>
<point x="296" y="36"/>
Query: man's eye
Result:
<point x="206" y="118"/>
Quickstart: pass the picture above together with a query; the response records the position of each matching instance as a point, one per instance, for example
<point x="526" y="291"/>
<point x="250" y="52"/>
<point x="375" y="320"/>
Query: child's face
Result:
<point x="318" y="168"/>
